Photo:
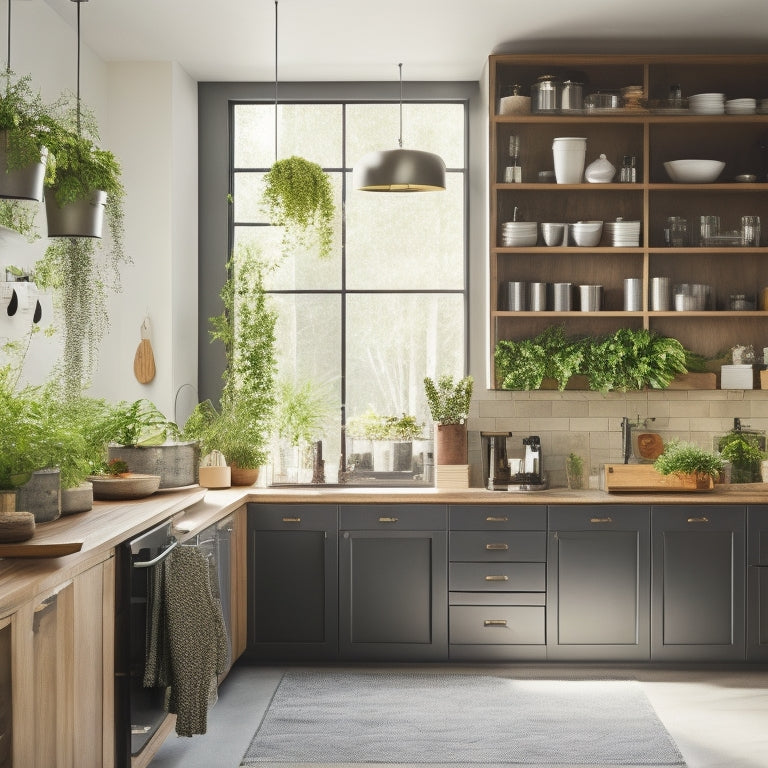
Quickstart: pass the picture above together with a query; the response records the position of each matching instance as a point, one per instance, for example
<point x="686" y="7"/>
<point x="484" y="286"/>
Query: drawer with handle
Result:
<point x="400" y="517"/>
<point x="497" y="577"/>
<point x="492" y="546"/>
<point x="278" y="517"/>
<point x="494" y="517"/>
<point x="496" y="625"/>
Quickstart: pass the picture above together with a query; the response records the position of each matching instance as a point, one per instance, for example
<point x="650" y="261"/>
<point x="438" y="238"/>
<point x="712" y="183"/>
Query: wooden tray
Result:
<point x="30" y="548"/>
<point x="638" y="478"/>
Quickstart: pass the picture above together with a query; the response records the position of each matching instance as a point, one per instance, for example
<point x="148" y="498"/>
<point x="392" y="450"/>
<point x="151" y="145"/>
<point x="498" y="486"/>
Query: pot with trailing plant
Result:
<point x="449" y="400"/>
<point x="25" y="124"/>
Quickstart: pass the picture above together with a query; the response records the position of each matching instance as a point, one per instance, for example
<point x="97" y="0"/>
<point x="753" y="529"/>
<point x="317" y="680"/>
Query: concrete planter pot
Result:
<point x="41" y="495"/>
<point x="77" y="499"/>
<point x="176" y="463"/>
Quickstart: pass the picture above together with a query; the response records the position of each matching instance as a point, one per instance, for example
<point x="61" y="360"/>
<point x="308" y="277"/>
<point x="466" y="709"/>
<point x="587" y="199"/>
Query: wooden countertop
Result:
<point x="110" y="523"/>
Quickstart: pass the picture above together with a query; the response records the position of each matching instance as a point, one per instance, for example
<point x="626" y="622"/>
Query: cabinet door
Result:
<point x="393" y="595"/>
<point x="697" y="611"/>
<point x="598" y="579"/>
<point x="6" y="701"/>
<point x="757" y="583"/>
<point x="292" y="578"/>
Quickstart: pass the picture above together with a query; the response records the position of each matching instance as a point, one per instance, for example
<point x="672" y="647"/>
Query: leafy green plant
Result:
<point x="20" y="216"/>
<point x="624" y="360"/>
<point x="448" y="399"/>
<point x="301" y="411"/>
<point x="681" y="458"/>
<point x="574" y="471"/>
<point x="743" y="451"/>
<point x="299" y="197"/>
<point x="369" y="425"/>
<point x="403" y="428"/>
<point x="137" y="423"/>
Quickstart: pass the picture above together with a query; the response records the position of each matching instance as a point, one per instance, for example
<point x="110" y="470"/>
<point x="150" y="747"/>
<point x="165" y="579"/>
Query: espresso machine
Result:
<point x="495" y="460"/>
<point x="527" y="474"/>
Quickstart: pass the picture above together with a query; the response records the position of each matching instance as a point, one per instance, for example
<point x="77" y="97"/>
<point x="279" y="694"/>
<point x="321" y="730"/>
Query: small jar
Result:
<point x="628" y="172"/>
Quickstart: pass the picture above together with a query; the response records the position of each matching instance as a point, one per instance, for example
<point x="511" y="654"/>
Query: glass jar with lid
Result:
<point x="546" y="94"/>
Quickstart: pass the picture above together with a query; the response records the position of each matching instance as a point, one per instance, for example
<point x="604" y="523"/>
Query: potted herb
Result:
<point x="25" y="127"/>
<point x="574" y="471"/>
<point x="744" y="451"/>
<point x="449" y="400"/>
<point x="299" y="197"/>
<point x="680" y="458"/>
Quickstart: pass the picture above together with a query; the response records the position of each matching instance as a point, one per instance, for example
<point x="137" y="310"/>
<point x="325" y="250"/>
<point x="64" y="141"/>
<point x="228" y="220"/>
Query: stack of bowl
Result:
<point x="519" y="233"/>
<point x="707" y="103"/>
<point x="586" y="233"/>
<point x="552" y="233"/>
<point x="623" y="234"/>
<point x="741" y="107"/>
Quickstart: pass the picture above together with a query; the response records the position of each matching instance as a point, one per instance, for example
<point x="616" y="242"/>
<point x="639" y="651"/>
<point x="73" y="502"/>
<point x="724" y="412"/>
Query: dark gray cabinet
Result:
<point x="698" y="583"/>
<point x="598" y="578"/>
<point x="392" y="582"/>
<point x="497" y="582"/>
<point x="292" y="581"/>
<point x="757" y="583"/>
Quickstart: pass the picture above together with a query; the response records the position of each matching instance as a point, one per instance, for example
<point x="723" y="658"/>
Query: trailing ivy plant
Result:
<point x="624" y="360"/>
<point x="298" y="196"/>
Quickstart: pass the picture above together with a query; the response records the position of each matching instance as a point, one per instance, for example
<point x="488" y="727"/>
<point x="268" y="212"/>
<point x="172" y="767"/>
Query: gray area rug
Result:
<point x="352" y="718"/>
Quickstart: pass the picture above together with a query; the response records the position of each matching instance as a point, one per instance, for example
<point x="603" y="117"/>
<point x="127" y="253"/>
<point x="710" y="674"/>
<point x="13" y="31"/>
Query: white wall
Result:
<point x="147" y="114"/>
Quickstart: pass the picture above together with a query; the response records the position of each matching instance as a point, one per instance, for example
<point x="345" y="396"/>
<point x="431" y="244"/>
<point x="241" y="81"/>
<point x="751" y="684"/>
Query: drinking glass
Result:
<point x="750" y="231"/>
<point x="676" y="232"/>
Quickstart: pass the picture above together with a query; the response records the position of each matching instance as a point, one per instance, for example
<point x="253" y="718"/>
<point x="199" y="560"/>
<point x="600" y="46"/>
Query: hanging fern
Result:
<point x="299" y="197"/>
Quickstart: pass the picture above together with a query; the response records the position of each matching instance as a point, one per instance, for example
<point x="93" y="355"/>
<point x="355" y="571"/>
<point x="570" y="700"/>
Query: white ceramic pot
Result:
<point x="568" y="153"/>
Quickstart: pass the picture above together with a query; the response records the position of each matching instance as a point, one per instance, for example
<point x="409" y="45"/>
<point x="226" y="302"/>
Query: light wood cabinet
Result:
<point x="61" y="668"/>
<point x="653" y="137"/>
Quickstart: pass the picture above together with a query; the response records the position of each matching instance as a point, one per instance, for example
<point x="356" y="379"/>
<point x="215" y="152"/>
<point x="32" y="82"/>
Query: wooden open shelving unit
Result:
<point x="739" y="140"/>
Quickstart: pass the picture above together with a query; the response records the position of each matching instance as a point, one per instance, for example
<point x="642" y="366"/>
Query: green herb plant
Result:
<point x="138" y="423"/>
<point x="298" y="196"/>
<point x="743" y="451"/>
<point x="301" y="412"/>
<point x="681" y="458"/>
<point x="448" y="399"/>
<point x="574" y="471"/>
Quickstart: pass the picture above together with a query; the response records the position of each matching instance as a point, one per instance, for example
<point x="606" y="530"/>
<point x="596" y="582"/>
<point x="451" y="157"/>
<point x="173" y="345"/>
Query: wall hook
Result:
<point x="38" y="313"/>
<point x="13" y="304"/>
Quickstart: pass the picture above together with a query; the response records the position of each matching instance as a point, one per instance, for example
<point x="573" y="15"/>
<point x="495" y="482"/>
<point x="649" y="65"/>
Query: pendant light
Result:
<point x="400" y="170"/>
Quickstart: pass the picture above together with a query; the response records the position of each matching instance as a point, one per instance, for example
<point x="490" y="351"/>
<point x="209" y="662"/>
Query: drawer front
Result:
<point x="611" y="517"/>
<point x="497" y="577"/>
<point x="496" y="625"/>
<point x="498" y="517"/>
<point x="277" y="517"/>
<point x="499" y="546"/>
<point x="394" y="517"/>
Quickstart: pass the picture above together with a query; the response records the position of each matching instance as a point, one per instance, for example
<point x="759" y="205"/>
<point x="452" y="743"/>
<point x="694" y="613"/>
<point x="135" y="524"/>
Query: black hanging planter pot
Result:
<point x="82" y="218"/>
<point x="21" y="183"/>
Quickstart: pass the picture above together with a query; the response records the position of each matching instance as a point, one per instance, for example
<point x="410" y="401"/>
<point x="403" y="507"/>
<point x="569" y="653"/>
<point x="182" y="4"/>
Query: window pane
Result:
<point x="248" y="189"/>
<point x="393" y="342"/>
<point x="435" y="128"/>
<point x="315" y="133"/>
<point x="407" y="241"/>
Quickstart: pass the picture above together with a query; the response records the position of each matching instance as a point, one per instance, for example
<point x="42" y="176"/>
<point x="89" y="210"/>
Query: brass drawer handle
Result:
<point x="600" y="519"/>
<point x="698" y="519"/>
<point x="496" y="519"/>
<point x="497" y="547"/>
<point x="291" y="519"/>
<point x="497" y="578"/>
<point x="495" y="623"/>
<point x="388" y="519"/>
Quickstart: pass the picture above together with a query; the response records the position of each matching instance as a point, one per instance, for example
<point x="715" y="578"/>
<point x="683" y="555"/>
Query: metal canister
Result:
<point x="545" y="95"/>
<point x="572" y="99"/>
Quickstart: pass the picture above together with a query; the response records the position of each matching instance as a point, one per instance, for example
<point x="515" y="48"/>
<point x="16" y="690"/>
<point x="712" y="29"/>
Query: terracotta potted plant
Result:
<point x="448" y="401"/>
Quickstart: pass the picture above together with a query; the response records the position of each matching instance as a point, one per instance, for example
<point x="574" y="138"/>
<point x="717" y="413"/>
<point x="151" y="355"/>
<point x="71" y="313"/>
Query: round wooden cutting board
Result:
<point x="649" y="445"/>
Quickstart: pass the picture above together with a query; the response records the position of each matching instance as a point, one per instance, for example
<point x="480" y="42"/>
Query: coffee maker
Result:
<point x="527" y="474"/>
<point x="495" y="460"/>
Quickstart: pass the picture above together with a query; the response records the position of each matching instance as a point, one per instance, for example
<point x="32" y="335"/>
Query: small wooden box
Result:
<point x="637" y="478"/>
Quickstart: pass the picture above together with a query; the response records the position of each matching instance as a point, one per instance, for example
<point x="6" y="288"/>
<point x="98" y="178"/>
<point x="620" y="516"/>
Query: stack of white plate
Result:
<point x="623" y="234"/>
<point x="762" y="108"/>
<point x="707" y="103"/>
<point x="519" y="233"/>
<point x="741" y="107"/>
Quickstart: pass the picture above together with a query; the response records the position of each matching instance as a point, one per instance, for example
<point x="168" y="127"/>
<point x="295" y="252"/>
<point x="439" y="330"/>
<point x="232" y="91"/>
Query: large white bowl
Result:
<point x="694" y="171"/>
<point x="586" y="233"/>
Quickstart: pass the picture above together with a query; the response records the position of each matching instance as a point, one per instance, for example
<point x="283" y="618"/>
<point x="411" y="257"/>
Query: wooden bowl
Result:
<point x="130" y="486"/>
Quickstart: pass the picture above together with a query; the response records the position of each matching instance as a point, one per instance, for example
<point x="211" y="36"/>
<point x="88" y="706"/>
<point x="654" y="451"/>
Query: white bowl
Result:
<point x="586" y="233"/>
<point x="694" y="171"/>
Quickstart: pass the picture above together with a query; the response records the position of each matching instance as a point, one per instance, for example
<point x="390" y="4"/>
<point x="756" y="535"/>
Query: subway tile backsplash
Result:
<point x="589" y="423"/>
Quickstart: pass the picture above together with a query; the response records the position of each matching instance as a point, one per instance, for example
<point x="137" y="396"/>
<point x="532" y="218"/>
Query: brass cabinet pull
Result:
<point x="291" y="519"/>
<point x="496" y="519"/>
<point x="600" y="519"/>
<point x="497" y="578"/>
<point x="495" y="623"/>
<point x="388" y="519"/>
<point x="497" y="547"/>
<point x="698" y="519"/>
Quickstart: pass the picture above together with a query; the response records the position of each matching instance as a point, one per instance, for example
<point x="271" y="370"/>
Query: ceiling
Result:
<point x="434" y="39"/>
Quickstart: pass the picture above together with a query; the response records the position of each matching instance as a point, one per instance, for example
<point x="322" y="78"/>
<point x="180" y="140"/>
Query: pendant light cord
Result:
<point x="400" y="140"/>
<point x="8" y="60"/>
<point x="78" y="2"/>
<point x="275" y="80"/>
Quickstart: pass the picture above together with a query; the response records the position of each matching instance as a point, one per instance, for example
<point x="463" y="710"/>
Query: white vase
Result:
<point x="568" y="153"/>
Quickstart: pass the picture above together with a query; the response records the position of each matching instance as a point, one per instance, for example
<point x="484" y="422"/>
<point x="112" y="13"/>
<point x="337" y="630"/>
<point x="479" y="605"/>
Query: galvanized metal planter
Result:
<point x="83" y="218"/>
<point x="21" y="183"/>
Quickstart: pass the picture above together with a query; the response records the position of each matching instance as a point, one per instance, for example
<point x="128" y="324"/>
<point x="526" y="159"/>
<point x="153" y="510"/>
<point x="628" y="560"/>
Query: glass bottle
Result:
<point x="513" y="174"/>
<point x="628" y="173"/>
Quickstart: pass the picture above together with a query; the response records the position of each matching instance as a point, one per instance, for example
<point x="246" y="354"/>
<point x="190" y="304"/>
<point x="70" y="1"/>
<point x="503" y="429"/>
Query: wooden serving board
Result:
<point x="642" y="478"/>
<point x="31" y="549"/>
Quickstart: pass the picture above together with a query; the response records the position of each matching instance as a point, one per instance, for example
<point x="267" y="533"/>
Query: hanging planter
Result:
<point x="81" y="218"/>
<point x="20" y="183"/>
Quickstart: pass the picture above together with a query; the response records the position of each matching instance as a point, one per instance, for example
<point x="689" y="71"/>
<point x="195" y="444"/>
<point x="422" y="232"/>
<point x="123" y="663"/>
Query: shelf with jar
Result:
<point x="535" y="100"/>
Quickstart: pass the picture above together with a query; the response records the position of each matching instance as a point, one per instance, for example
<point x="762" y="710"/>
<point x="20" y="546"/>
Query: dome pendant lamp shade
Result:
<point x="400" y="170"/>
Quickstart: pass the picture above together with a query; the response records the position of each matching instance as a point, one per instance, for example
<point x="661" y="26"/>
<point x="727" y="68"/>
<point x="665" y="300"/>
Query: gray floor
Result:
<point x="719" y="719"/>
